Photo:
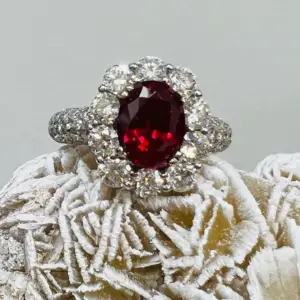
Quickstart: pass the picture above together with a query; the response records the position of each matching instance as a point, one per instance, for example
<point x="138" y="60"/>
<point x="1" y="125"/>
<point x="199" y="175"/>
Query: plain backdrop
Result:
<point x="246" y="55"/>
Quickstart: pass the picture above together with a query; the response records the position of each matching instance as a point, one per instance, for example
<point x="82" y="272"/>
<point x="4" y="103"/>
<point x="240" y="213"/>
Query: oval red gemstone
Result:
<point x="151" y="124"/>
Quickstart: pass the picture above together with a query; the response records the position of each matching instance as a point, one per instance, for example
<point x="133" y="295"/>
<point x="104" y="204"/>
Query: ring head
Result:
<point x="153" y="127"/>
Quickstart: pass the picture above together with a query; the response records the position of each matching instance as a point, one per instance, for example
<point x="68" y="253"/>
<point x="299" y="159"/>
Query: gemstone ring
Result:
<point x="148" y="127"/>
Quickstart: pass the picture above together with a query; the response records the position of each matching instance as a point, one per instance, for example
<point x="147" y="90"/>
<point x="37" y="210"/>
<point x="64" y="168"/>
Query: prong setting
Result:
<point x="201" y="139"/>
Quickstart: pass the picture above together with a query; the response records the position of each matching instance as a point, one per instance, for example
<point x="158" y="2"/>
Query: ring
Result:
<point x="148" y="127"/>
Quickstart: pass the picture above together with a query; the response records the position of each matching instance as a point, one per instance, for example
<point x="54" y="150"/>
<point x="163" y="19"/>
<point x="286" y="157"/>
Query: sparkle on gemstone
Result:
<point x="105" y="105"/>
<point x="115" y="78"/>
<point x="197" y="110"/>
<point x="182" y="78"/>
<point x="189" y="151"/>
<point x="150" y="67"/>
<point x="151" y="124"/>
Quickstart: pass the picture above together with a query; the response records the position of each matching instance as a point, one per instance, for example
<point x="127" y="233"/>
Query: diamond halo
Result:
<point x="114" y="166"/>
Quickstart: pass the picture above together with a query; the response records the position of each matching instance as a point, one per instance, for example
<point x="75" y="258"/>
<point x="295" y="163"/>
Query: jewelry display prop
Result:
<point x="64" y="235"/>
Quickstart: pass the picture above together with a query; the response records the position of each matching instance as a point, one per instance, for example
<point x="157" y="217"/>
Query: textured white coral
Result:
<point x="235" y="236"/>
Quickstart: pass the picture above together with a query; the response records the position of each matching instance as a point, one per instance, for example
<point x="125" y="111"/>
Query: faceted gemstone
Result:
<point x="198" y="111"/>
<point x="151" y="124"/>
<point x="150" y="67"/>
<point x="105" y="105"/>
<point x="182" y="78"/>
<point x="115" y="78"/>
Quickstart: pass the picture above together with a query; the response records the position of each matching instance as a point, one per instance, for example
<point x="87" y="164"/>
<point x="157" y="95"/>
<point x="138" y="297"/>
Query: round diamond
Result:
<point x="182" y="79"/>
<point x="105" y="144"/>
<point x="107" y="133"/>
<point x="118" y="175"/>
<point x="160" y="181"/>
<point x="145" y="186"/>
<point x="102" y="169"/>
<point x="115" y="78"/>
<point x="183" y="183"/>
<point x="213" y="135"/>
<point x="219" y="134"/>
<point x="106" y="150"/>
<point x="189" y="151"/>
<point x="181" y="179"/>
<point x="151" y="124"/>
<point x="106" y="106"/>
<point x="200" y="140"/>
<point x="196" y="111"/>
<point x="150" y="68"/>
<point x="195" y="119"/>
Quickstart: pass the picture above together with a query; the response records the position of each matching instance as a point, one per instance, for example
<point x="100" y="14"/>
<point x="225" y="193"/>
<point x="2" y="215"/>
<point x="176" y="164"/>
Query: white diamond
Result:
<point x="160" y="182"/>
<point x="182" y="79"/>
<point x="113" y="179"/>
<point x="183" y="183"/>
<point x="105" y="144"/>
<point x="118" y="175"/>
<point x="182" y="180"/>
<point x="219" y="134"/>
<point x="197" y="103"/>
<point x="200" y="140"/>
<point x="94" y="133"/>
<point x="196" y="111"/>
<point x="193" y="121"/>
<point x="145" y="186"/>
<point x="189" y="151"/>
<point x="105" y="151"/>
<point x="106" y="106"/>
<point x="150" y="68"/>
<point x="107" y="133"/>
<point x="115" y="78"/>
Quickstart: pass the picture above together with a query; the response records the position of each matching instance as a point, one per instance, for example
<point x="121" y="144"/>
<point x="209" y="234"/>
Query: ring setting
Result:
<point x="148" y="127"/>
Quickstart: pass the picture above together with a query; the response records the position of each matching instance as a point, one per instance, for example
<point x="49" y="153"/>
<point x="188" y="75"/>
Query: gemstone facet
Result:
<point x="151" y="124"/>
<point x="115" y="78"/>
<point x="182" y="79"/>
<point x="104" y="106"/>
<point x="150" y="68"/>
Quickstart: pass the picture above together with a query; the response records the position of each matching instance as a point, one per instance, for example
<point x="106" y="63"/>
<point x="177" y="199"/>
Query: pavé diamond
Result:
<point x="189" y="151"/>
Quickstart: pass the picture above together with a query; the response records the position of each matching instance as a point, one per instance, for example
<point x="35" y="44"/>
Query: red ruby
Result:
<point x="151" y="124"/>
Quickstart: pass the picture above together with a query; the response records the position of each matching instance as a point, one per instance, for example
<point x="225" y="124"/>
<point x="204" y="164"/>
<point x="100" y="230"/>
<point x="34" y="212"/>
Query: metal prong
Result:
<point x="133" y="66"/>
<point x="101" y="88"/>
<point x="198" y="93"/>
<point x="129" y="87"/>
<point x="169" y="67"/>
<point x="204" y="130"/>
<point x="124" y="94"/>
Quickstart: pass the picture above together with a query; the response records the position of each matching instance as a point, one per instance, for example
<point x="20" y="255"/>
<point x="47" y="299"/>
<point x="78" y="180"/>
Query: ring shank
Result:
<point x="70" y="126"/>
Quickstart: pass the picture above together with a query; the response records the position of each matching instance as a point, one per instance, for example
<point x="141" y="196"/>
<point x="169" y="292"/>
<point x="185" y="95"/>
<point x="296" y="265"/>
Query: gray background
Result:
<point x="246" y="55"/>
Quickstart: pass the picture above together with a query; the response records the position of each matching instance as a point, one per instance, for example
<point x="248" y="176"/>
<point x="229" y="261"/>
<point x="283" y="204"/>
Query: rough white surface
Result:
<point x="63" y="235"/>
